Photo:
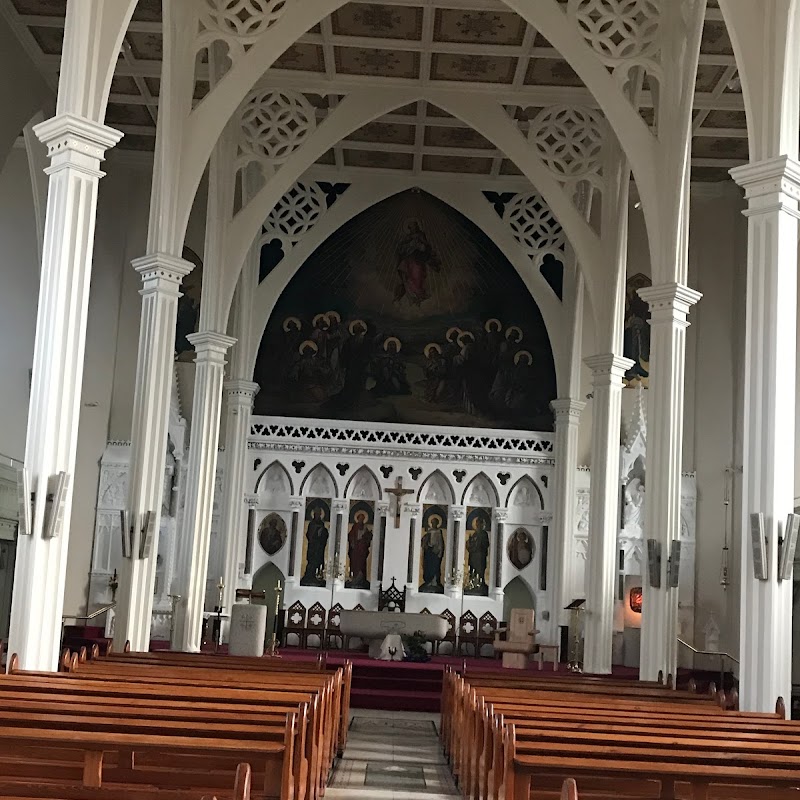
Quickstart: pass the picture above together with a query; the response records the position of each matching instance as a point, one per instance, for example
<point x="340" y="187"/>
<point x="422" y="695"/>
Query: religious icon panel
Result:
<point x="359" y="544"/>
<point x="521" y="548"/>
<point x="476" y="555"/>
<point x="316" y="532"/>
<point x="272" y="534"/>
<point x="433" y="548"/>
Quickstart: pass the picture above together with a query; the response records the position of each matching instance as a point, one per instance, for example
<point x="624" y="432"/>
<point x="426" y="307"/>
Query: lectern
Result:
<point x="576" y="609"/>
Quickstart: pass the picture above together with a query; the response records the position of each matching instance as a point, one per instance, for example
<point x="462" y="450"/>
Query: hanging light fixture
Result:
<point x="725" y="574"/>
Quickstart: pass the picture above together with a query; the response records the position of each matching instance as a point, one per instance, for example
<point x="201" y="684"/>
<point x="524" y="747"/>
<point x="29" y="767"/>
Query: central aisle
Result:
<point x="392" y="756"/>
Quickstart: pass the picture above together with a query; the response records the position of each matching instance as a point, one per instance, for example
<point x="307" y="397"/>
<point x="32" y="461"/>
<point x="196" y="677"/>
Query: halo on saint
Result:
<point x="410" y="224"/>
<point x="333" y="315"/>
<point x="434" y="521"/>
<point x="430" y="347"/>
<point x="462" y="337"/>
<point x="353" y="324"/>
<point x="396" y="341"/>
<point x="319" y="318"/>
<point x="514" y="329"/>
<point x="361" y="516"/>
<point x="453" y="333"/>
<point x="493" y="324"/>
<point x="292" y="321"/>
<point x="307" y="345"/>
<point x="526" y="354"/>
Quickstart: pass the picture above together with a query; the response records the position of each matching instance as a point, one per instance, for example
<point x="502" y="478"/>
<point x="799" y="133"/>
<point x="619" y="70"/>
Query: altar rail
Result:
<point x="384" y="439"/>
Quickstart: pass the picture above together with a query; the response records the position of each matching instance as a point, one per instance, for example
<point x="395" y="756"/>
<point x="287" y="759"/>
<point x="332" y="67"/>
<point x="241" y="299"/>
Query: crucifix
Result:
<point x="398" y="491"/>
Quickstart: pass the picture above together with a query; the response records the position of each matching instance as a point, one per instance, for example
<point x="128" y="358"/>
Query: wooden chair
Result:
<point x="487" y="626"/>
<point x="467" y="633"/>
<point x="334" y="629"/>
<point x="450" y="636"/>
<point x="518" y="641"/>
<point x="315" y="624"/>
<point x="295" y="624"/>
<point x="391" y="599"/>
<point x="348" y="639"/>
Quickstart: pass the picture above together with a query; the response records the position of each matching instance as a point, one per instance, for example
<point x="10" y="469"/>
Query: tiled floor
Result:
<point x="392" y="756"/>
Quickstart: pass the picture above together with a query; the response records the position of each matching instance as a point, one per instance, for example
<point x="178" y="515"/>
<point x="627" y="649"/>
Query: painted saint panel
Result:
<point x="359" y="544"/>
<point x="433" y="548"/>
<point x="521" y="548"/>
<point x="636" y="343"/>
<point x="272" y="534"/>
<point x="477" y="546"/>
<point x="409" y="313"/>
<point x="316" y="533"/>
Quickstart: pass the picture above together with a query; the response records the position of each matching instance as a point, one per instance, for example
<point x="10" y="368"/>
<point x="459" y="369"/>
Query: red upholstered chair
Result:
<point x="487" y="626"/>
<point x="467" y="633"/>
<point x="333" y="631"/>
<point x="315" y="625"/>
<point x="450" y="636"/>
<point x="295" y="624"/>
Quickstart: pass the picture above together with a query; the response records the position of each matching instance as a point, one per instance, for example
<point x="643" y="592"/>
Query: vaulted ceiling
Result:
<point x="458" y="45"/>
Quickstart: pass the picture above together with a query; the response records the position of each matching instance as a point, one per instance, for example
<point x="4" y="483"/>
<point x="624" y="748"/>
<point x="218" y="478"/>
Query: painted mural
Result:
<point x="476" y="555"/>
<point x="433" y="548"/>
<point x="272" y="534"/>
<point x="521" y="548"/>
<point x="410" y="314"/>
<point x="316" y="532"/>
<point x="637" y="331"/>
<point x="359" y="544"/>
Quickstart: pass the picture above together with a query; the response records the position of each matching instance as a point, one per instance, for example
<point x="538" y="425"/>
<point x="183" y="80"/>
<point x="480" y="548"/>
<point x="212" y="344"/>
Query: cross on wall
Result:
<point x="398" y="492"/>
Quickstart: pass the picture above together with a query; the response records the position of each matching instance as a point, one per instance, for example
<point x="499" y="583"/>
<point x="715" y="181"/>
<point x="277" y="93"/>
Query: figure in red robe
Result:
<point x="359" y="540"/>
<point x="415" y="257"/>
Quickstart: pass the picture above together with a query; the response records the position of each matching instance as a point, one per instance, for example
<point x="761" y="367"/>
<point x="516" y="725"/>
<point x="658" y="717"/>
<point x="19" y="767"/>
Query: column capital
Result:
<point x="297" y="503"/>
<point x="775" y="175"/>
<point x="251" y="500"/>
<point x="567" y="408"/>
<point x="382" y="508"/>
<point x="74" y="134"/>
<point x="162" y="271"/>
<point x="458" y="512"/>
<point x="670" y="300"/>
<point x="500" y="514"/>
<point x="243" y="391"/>
<point x="211" y="346"/>
<point x="340" y="506"/>
<point x="414" y="509"/>
<point x="608" y="365"/>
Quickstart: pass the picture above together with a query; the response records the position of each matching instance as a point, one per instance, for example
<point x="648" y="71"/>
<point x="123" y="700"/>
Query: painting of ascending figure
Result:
<point x="409" y="313"/>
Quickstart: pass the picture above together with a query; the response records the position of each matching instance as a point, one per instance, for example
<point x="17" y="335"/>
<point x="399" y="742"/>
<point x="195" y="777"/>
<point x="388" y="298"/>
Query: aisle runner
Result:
<point x="397" y="756"/>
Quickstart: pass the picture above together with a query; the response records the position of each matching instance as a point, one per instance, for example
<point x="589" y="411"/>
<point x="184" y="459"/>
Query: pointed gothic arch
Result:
<point x="437" y="480"/>
<point x="319" y="470"/>
<point x="360" y="474"/>
<point x="482" y="479"/>
<point x="525" y="480"/>
<point x="275" y="465"/>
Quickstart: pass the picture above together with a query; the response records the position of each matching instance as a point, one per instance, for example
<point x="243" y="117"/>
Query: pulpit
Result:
<point x="518" y="640"/>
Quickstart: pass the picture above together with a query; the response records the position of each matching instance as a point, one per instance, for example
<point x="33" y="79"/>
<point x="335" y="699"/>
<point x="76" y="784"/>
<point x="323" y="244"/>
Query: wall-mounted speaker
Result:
<point x="674" y="571"/>
<point x="654" y="562"/>
<point x="148" y="531"/>
<point x="758" y="539"/>
<point x="54" y="508"/>
<point x="788" y="545"/>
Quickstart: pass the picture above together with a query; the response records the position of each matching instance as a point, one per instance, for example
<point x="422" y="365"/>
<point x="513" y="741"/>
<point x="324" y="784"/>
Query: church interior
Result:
<point x="399" y="399"/>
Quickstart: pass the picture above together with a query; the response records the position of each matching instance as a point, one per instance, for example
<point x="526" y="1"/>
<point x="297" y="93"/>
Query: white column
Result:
<point x="498" y="577"/>
<point x="297" y="505"/>
<point x="414" y="511"/>
<point x="76" y="146"/>
<point x="238" y="409"/>
<point x="337" y="548"/>
<point x="455" y="557"/>
<point x="161" y="278"/>
<point x="195" y="534"/>
<point x="669" y="307"/>
<point x="765" y="628"/>
<point x="601" y="563"/>
<point x="559" y="570"/>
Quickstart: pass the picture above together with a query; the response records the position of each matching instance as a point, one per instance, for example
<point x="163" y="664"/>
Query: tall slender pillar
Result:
<point x="195" y="535"/>
<point x="161" y="279"/>
<point x="669" y="307"/>
<point x="382" y="513"/>
<point x="499" y="515"/>
<point x="337" y="549"/>
<point x="297" y="505"/>
<point x="238" y="409"/>
<point x="76" y="147"/>
<point x="765" y="629"/>
<point x="608" y="371"/>
<point x="567" y="428"/>
<point x="414" y="510"/>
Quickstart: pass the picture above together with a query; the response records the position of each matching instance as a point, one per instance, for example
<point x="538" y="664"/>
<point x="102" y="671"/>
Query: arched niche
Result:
<point x="408" y="313"/>
<point x="525" y="494"/>
<point x="275" y="480"/>
<point x="480" y="491"/>
<point x="266" y="580"/>
<point x="436" y="489"/>
<point x="517" y="593"/>
<point x="319" y="483"/>
<point x="363" y="485"/>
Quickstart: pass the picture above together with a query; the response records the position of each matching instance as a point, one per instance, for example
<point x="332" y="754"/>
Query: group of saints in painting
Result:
<point x="356" y="569"/>
<point x="331" y="362"/>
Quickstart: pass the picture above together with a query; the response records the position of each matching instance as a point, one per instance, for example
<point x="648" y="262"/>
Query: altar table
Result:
<point x="375" y="626"/>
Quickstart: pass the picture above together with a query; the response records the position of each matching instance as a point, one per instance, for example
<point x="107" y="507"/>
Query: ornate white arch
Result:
<point x="481" y="477"/>
<point x="362" y="471"/>
<point x="532" y="482"/>
<point x="319" y="467"/>
<point x="283" y="469"/>
<point x="371" y="191"/>
<point x="437" y="473"/>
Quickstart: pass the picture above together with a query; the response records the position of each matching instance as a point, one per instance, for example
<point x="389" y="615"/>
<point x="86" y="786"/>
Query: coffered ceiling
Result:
<point x="462" y="46"/>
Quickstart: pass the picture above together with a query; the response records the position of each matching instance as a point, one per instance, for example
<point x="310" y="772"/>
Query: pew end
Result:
<point x="569" y="791"/>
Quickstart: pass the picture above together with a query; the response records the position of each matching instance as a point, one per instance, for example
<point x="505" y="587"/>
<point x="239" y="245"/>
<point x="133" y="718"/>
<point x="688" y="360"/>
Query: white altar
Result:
<point x="377" y="626"/>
